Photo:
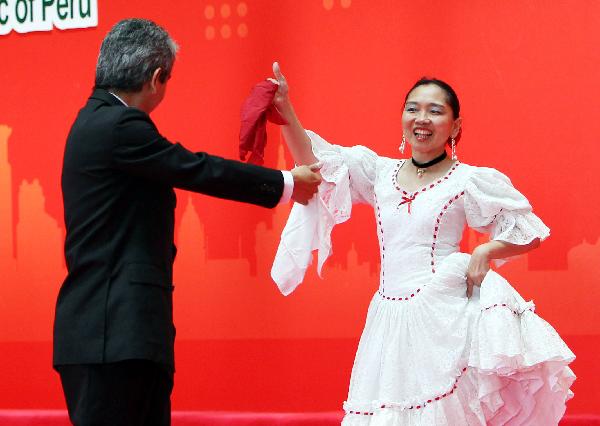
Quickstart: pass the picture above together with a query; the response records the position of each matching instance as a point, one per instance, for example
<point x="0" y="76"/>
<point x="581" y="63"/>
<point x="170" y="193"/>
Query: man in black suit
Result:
<point x="113" y="331"/>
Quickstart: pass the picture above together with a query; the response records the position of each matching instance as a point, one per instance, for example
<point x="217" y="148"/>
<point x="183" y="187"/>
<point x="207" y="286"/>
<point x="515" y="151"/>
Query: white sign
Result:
<point x="25" y="16"/>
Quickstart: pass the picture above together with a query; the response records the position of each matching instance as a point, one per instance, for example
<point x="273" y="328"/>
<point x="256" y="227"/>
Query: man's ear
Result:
<point x="155" y="79"/>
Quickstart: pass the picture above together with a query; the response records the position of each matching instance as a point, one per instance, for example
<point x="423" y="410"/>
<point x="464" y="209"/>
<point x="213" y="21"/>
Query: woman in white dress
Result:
<point x="447" y="341"/>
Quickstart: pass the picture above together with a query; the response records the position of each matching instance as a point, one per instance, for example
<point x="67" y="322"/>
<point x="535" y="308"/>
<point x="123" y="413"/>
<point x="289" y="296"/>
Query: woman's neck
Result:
<point x="424" y="157"/>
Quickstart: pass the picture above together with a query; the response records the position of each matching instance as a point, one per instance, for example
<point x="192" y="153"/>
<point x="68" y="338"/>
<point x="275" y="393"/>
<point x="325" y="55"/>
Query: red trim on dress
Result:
<point x="382" y="242"/>
<point x="416" y="407"/>
<point x="436" y="229"/>
<point x="409" y="197"/>
<point x="504" y="305"/>
<point x="413" y="294"/>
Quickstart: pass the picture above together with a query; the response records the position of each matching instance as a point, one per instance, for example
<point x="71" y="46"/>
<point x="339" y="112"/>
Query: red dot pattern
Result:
<point x="221" y="20"/>
<point x="399" y="298"/>
<point x="382" y="243"/>
<point x="504" y="305"/>
<point x="408" y="197"/>
<point x="438" y="222"/>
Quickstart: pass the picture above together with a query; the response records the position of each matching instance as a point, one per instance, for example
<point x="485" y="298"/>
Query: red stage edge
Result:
<point x="214" y="418"/>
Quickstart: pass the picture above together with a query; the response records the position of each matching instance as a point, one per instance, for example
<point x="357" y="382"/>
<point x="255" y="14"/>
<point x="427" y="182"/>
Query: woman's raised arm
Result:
<point x="295" y="137"/>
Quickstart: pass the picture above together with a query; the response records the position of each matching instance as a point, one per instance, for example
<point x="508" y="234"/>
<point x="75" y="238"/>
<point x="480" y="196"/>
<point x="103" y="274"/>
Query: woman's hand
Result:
<point x="478" y="267"/>
<point x="483" y="254"/>
<point x="294" y="134"/>
<point x="281" y="100"/>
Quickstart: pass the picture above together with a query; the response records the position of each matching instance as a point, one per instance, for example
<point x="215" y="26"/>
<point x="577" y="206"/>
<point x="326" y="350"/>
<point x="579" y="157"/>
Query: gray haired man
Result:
<point x="113" y="329"/>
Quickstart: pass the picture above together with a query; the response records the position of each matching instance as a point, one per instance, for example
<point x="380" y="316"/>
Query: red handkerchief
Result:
<point x="256" y="110"/>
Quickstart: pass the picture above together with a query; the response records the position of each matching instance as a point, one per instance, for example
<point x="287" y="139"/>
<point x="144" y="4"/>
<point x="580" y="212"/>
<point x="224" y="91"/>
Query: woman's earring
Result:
<point x="453" y="144"/>
<point x="403" y="144"/>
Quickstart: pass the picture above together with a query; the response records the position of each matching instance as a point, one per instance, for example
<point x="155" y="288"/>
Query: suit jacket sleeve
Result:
<point x="140" y="150"/>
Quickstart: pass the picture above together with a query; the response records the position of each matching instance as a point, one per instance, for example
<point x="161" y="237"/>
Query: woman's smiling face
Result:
<point x="428" y="121"/>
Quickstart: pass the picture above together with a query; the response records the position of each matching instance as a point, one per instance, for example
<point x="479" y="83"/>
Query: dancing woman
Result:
<point x="447" y="341"/>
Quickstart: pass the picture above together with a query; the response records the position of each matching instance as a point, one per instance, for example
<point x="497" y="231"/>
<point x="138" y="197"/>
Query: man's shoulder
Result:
<point x="100" y="106"/>
<point x="103" y="112"/>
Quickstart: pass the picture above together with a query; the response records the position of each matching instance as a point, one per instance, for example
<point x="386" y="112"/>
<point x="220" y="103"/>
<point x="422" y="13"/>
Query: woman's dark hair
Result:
<point x="451" y="96"/>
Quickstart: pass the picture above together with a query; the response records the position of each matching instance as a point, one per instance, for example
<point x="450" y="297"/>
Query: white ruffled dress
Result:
<point x="428" y="355"/>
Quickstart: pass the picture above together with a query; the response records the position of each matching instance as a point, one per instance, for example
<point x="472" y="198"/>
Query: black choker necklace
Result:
<point x="422" y="167"/>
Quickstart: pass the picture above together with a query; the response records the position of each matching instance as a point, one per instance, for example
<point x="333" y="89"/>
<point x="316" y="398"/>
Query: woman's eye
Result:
<point x="411" y="109"/>
<point x="435" y="111"/>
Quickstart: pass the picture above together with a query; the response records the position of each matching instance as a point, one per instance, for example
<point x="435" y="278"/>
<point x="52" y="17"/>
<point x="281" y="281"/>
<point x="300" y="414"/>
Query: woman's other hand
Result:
<point x="478" y="267"/>
<point x="483" y="254"/>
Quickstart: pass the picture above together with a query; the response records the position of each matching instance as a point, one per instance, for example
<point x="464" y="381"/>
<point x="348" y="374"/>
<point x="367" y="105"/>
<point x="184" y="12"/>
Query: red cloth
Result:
<point x="256" y="110"/>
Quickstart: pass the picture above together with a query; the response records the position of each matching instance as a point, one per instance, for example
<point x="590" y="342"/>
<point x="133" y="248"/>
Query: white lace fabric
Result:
<point x="309" y="227"/>
<point x="494" y="206"/>
<point x="428" y="355"/>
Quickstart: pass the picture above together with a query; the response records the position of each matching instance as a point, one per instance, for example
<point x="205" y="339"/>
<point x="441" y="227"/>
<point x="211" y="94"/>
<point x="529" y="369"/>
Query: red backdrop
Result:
<point x="526" y="72"/>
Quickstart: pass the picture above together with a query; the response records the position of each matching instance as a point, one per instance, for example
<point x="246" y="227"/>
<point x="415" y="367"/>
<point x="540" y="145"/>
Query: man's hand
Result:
<point x="306" y="182"/>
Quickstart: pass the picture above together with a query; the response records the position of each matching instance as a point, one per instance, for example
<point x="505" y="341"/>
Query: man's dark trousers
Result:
<point x="126" y="393"/>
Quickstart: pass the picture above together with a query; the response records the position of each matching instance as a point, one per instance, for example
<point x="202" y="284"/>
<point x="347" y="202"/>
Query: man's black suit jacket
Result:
<point x="117" y="181"/>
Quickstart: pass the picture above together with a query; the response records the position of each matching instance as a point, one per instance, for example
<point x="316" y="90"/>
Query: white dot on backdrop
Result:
<point x="242" y="30"/>
<point x="225" y="10"/>
<point x="209" y="32"/>
<point x="225" y="31"/>
<point x="209" y="12"/>
<point x="242" y="9"/>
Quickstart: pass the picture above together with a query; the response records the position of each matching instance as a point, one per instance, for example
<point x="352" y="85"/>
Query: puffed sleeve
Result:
<point x="348" y="177"/>
<point x="494" y="206"/>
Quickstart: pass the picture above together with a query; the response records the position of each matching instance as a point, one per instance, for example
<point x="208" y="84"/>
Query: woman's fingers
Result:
<point x="277" y="71"/>
<point x="479" y="265"/>
<point x="316" y="166"/>
<point x="469" y="287"/>
<point x="474" y="280"/>
<point x="282" y="90"/>
<point x="278" y="75"/>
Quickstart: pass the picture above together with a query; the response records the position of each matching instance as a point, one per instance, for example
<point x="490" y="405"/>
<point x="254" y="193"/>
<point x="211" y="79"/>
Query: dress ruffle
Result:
<point x="309" y="227"/>
<point x="507" y="366"/>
